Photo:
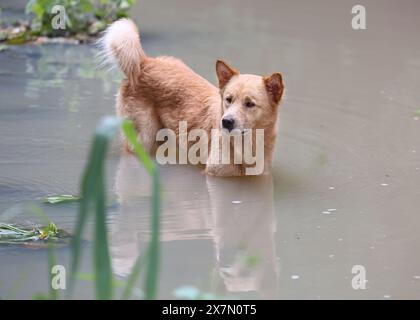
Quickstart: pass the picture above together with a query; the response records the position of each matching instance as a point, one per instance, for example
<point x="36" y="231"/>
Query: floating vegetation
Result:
<point x="14" y="234"/>
<point x="61" y="198"/>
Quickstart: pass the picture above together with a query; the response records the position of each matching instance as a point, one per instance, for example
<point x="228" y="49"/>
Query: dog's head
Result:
<point x="249" y="101"/>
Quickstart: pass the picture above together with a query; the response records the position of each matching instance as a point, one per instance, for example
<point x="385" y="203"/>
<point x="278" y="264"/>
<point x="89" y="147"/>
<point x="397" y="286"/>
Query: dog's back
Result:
<point x="164" y="83"/>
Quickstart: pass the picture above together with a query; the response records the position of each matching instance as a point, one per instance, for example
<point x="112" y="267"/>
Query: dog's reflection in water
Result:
<point x="236" y="214"/>
<point x="243" y="227"/>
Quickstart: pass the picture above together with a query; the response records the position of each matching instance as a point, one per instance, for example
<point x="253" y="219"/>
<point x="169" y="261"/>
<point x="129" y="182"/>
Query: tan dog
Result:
<point x="160" y="92"/>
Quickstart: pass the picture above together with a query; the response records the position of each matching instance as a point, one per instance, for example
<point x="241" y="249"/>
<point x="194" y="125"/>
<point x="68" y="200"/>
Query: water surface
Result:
<point x="345" y="187"/>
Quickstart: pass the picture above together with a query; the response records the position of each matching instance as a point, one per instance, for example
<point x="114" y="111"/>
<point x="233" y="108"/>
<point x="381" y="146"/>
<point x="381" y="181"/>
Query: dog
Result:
<point x="160" y="92"/>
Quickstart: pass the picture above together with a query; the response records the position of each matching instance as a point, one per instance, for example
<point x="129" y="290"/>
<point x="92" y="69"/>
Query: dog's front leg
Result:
<point x="215" y="168"/>
<point x="224" y="170"/>
<point x="215" y="159"/>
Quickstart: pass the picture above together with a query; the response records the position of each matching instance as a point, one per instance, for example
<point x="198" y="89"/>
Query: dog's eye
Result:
<point x="249" y="104"/>
<point x="229" y="99"/>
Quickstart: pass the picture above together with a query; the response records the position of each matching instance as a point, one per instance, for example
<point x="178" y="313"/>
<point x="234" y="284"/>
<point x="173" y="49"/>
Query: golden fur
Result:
<point x="159" y="92"/>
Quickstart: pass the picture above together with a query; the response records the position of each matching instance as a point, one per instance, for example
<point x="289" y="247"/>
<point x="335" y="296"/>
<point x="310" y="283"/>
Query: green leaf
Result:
<point x="61" y="198"/>
<point x="29" y="6"/>
<point x="131" y="281"/>
<point x="38" y="10"/>
<point x="86" y="6"/>
<point x="142" y="155"/>
<point x="14" y="234"/>
<point x="103" y="272"/>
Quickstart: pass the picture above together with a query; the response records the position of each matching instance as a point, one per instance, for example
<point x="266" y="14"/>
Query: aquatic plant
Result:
<point x="93" y="199"/>
<point x="83" y="19"/>
<point x="12" y="234"/>
<point x="82" y="16"/>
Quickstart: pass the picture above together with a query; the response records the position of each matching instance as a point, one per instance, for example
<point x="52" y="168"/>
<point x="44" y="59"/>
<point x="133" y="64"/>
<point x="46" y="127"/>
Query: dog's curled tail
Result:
<point x="120" y="45"/>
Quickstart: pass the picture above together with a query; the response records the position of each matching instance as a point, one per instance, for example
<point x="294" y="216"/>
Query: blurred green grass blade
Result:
<point x="130" y="133"/>
<point x="88" y="183"/>
<point x="103" y="272"/>
<point x="154" y="247"/>
<point x="93" y="195"/>
<point x="104" y="132"/>
<point x="131" y="281"/>
<point x="153" y="251"/>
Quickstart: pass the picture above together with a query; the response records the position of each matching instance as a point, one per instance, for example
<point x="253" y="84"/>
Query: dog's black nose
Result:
<point x="228" y="123"/>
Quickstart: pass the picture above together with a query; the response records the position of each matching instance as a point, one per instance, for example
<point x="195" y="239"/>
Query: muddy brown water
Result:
<point x="345" y="187"/>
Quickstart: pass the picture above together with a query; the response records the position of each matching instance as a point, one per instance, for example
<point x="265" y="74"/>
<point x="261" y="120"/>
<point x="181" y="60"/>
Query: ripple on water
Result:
<point x="14" y="189"/>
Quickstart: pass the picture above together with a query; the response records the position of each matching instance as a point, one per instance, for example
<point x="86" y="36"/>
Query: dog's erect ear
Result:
<point x="224" y="73"/>
<point x="274" y="86"/>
